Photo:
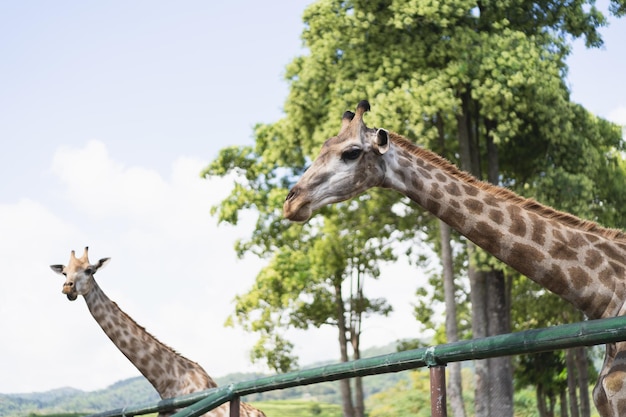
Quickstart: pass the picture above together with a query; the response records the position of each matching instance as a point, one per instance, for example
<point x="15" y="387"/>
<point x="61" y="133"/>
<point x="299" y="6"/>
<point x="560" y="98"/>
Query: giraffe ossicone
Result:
<point x="576" y="259"/>
<point x="170" y="373"/>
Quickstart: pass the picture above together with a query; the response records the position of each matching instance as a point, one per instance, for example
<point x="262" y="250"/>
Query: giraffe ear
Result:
<point x="382" y="141"/>
<point x="57" y="268"/>
<point x="100" y="264"/>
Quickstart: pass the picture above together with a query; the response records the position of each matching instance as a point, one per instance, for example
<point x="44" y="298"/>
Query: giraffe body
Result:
<point x="170" y="373"/>
<point x="576" y="259"/>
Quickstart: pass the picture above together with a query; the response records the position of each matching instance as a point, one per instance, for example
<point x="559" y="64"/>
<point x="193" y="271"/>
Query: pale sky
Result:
<point x="108" y="113"/>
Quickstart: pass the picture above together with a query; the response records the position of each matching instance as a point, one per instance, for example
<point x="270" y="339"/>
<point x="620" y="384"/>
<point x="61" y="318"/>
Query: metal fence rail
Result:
<point x="587" y="333"/>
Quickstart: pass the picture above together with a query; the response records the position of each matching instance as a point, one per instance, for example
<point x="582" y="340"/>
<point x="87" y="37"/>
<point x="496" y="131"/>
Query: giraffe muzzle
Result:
<point x="70" y="291"/>
<point x="294" y="208"/>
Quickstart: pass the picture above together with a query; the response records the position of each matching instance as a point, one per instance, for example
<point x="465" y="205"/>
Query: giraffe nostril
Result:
<point x="292" y="193"/>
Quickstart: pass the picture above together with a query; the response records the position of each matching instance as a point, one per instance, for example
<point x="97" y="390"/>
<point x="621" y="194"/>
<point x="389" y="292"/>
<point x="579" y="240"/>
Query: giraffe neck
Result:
<point x="169" y="373"/>
<point x="577" y="260"/>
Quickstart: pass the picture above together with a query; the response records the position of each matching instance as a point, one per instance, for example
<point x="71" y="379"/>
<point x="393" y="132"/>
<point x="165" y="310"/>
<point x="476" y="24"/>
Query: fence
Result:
<point x="587" y="333"/>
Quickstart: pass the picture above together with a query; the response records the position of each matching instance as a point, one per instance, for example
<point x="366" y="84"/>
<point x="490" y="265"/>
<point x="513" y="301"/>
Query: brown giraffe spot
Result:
<point x="96" y="310"/>
<point x="453" y="189"/>
<point x="576" y="240"/>
<point x="524" y="251"/>
<point x="436" y="192"/>
<point x="514" y="213"/>
<point x="424" y="173"/>
<point x="592" y="238"/>
<point x="455" y="204"/>
<point x="606" y="277"/>
<point x="496" y="215"/>
<point x="404" y="162"/>
<point x="487" y="237"/>
<point x="115" y="334"/>
<point x="433" y="206"/>
<point x="491" y="201"/>
<point x="473" y="205"/>
<point x="470" y="190"/>
<point x="518" y="227"/>
<point x="558" y="235"/>
<point x="593" y="304"/>
<point x="558" y="283"/>
<point x="580" y="279"/>
<point x="134" y="344"/>
<point x="618" y="268"/>
<point x="593" y="259"/>
<point x="611" y="251"/>
<point x="526" y="257"/>
<point x="441" y="178"/>
<point x="453" y="218"/>
<point x="417" y="183"/>
<point x="614" y="381"/>
<point x="401" y="176"/>
<point x="562" y="251"/>
<point x="157" y="369"/>
<point x="539" y="229"/>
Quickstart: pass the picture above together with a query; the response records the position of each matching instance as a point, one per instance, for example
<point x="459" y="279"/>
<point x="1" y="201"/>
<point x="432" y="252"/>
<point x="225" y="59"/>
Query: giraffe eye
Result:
<point x="88" y="271"/>
<point x="351" y="154"/>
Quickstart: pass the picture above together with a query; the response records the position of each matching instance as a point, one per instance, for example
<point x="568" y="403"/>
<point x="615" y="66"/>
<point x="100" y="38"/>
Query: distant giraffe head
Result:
<point x="78" y="274"/>
<point x="347" y="165"/>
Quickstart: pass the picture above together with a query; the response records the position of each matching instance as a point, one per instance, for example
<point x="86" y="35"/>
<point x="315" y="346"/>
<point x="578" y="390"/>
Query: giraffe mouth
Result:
<point x="70" y="292"/>
<point x="296" y="213"/>
<point x="295" y="207"/>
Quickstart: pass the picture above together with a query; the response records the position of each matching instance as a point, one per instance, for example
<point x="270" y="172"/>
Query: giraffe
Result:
<point x="578" y="260"/>
<point x="170" y="373"/>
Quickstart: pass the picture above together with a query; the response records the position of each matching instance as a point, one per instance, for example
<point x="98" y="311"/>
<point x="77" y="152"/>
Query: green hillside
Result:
<point x="135" y="391"/>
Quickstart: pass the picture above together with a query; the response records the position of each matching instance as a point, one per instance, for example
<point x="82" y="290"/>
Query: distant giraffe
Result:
<point x="170" y="373"/>
<point x="578" y="260"/>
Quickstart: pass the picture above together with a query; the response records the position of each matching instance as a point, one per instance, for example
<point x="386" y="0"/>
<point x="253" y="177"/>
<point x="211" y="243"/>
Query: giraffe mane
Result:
<point x="504" y="193"/>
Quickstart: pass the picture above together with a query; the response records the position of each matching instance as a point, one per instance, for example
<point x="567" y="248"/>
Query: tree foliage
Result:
<point x="496" y="69"/>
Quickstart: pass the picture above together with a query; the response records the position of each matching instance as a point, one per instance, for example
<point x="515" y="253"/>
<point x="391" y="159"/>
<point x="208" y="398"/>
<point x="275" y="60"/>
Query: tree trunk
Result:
<point x="500" y="369"/>
<point x="572" y="379"/>
<point x="541" y="402"/>
<point x="479" y="330"/>
<point x="455" y="390"/>
<point x="356" y="315"/>
<point x="582" y="366"/>
<point x="552" y="405"/>
<point x="563" y="400"/>
<point x="359" y="407"/>
<point x="344" y="384"/>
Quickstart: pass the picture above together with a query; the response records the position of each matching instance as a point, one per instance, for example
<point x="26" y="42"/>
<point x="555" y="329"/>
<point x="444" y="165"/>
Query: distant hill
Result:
<point x="69" y="400"/>
<point x="137" y="390"/>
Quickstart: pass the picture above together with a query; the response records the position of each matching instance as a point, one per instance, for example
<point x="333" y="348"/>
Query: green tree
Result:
<point x="486" y="79"/>
<point x="557" y="173"/>
<point x="319" y="280"/>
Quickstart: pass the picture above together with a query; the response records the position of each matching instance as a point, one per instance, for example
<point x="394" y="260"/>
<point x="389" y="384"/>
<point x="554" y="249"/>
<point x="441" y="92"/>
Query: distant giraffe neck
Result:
<point x="575" y="259"/>
<point x="169" y="373"/>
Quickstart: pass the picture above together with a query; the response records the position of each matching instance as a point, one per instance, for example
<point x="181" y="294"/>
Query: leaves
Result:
<point x="423" y="64"/>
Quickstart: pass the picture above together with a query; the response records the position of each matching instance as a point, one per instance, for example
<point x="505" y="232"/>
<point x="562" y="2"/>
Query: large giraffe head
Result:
<point x="78" y="274"/>
<point x="347" y="165"/>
